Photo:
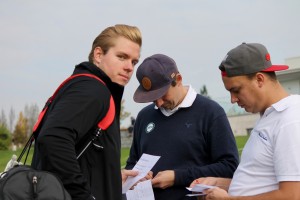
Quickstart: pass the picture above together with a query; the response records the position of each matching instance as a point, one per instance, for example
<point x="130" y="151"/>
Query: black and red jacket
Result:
<point x="69" y="123"/>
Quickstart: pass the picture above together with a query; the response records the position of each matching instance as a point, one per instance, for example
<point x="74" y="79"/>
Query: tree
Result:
<point x="123" y="114"/>
<point x="204" y="92"/>
<point x="3" y="120"/>
<point x="20" y="132"/>
<point x="5" y="138"/>
<point x="11" y="118"/>
<point x="31" y="114"/>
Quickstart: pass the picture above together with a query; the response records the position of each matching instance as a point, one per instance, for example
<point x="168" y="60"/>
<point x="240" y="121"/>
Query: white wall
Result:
<point x="241" y="123"/>
<point x="293" y="63"/>
<point x="292" y="87"/>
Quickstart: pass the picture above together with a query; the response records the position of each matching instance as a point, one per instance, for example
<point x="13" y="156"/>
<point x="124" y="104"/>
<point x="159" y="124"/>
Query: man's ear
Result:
<point x="97" y="55"/>
<point x="177" y="79"/>
<point x="260" y="78"/>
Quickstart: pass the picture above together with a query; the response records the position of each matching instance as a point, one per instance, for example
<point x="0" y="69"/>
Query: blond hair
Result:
<point x="106" y="39"/>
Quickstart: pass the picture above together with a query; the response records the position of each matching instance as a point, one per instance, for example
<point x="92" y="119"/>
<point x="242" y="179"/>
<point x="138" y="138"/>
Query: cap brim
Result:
<point x="274" y="68"/>
<point x="143" y="96"/>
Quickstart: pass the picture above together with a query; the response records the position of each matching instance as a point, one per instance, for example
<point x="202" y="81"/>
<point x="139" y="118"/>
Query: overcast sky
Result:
<point x="42" y="41"/>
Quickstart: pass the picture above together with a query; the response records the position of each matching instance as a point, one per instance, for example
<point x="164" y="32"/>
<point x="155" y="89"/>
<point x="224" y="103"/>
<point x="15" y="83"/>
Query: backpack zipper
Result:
<point x="34" y="184"/>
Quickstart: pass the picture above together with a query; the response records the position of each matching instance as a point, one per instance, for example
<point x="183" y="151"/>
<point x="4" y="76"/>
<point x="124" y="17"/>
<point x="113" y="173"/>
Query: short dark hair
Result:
<point x="272" y="75"/>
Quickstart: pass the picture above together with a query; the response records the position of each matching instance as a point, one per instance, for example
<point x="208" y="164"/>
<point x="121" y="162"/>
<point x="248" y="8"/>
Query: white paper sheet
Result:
<point x="199" y="188"/>
<point x="142" y="191"/>
<point x="143" y="166"/>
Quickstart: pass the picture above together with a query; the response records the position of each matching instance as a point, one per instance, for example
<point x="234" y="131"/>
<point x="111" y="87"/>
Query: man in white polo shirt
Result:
<point x="270" y="162"/>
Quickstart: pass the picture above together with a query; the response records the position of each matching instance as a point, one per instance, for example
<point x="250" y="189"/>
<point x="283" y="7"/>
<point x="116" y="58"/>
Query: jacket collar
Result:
<point x="115" y="89"/>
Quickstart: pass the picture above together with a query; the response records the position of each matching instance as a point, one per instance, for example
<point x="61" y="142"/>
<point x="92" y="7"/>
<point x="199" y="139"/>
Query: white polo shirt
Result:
<point x="271" y="154"/>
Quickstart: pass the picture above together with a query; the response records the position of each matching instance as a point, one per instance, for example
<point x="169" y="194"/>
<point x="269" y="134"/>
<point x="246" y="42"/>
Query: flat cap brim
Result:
<point x="143" y="96"/>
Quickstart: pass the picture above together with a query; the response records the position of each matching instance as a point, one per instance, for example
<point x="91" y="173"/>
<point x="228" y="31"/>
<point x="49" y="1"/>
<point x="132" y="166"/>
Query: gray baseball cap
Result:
<point x="155" y="75"/>
<point x="248" y="58"/>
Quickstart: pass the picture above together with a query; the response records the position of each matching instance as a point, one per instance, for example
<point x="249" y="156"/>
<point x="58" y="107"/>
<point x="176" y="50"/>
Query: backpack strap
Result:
<point x="102" y="125"/>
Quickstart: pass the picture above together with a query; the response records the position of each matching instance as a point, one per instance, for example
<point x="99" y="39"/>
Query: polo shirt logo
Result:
<point x="262" y="136"/>
<point x="188" y="125"/>
<point x="150" y="127"/>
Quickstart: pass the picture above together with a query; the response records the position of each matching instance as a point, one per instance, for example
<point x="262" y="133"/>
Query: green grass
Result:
<point x="124" y="156"/>
<point x="5" y="156"/>
<point x="241" y="141"/>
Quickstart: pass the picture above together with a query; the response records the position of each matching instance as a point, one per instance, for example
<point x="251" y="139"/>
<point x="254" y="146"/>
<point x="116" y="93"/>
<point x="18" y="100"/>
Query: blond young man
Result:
<point x="75" y="112"/>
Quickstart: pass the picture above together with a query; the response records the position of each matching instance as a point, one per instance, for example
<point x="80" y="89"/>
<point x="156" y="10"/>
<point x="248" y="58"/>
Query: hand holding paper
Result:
<point x="199" y="188"/>
<point x="144" y="165"/>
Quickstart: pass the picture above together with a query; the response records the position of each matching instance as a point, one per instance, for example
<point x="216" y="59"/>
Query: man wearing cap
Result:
<point x="190" y="132"/>
<point x="270" y="163"/>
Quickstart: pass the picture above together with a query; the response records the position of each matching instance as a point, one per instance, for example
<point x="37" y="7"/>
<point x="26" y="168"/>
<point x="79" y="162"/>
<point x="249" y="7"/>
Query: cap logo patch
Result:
<point x="268" y="57"/>
<point x="146" y="83"/>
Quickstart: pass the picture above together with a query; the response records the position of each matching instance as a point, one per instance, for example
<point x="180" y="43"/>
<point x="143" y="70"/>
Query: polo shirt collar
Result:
<point x="187" y="102"/>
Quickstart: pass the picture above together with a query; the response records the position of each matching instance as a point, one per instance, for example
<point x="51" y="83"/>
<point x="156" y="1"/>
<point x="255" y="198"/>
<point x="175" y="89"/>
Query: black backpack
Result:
<point x="24" y="182"/>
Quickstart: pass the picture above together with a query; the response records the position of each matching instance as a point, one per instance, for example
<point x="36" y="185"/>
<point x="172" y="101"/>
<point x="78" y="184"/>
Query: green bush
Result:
<point x="5" y="138"/>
